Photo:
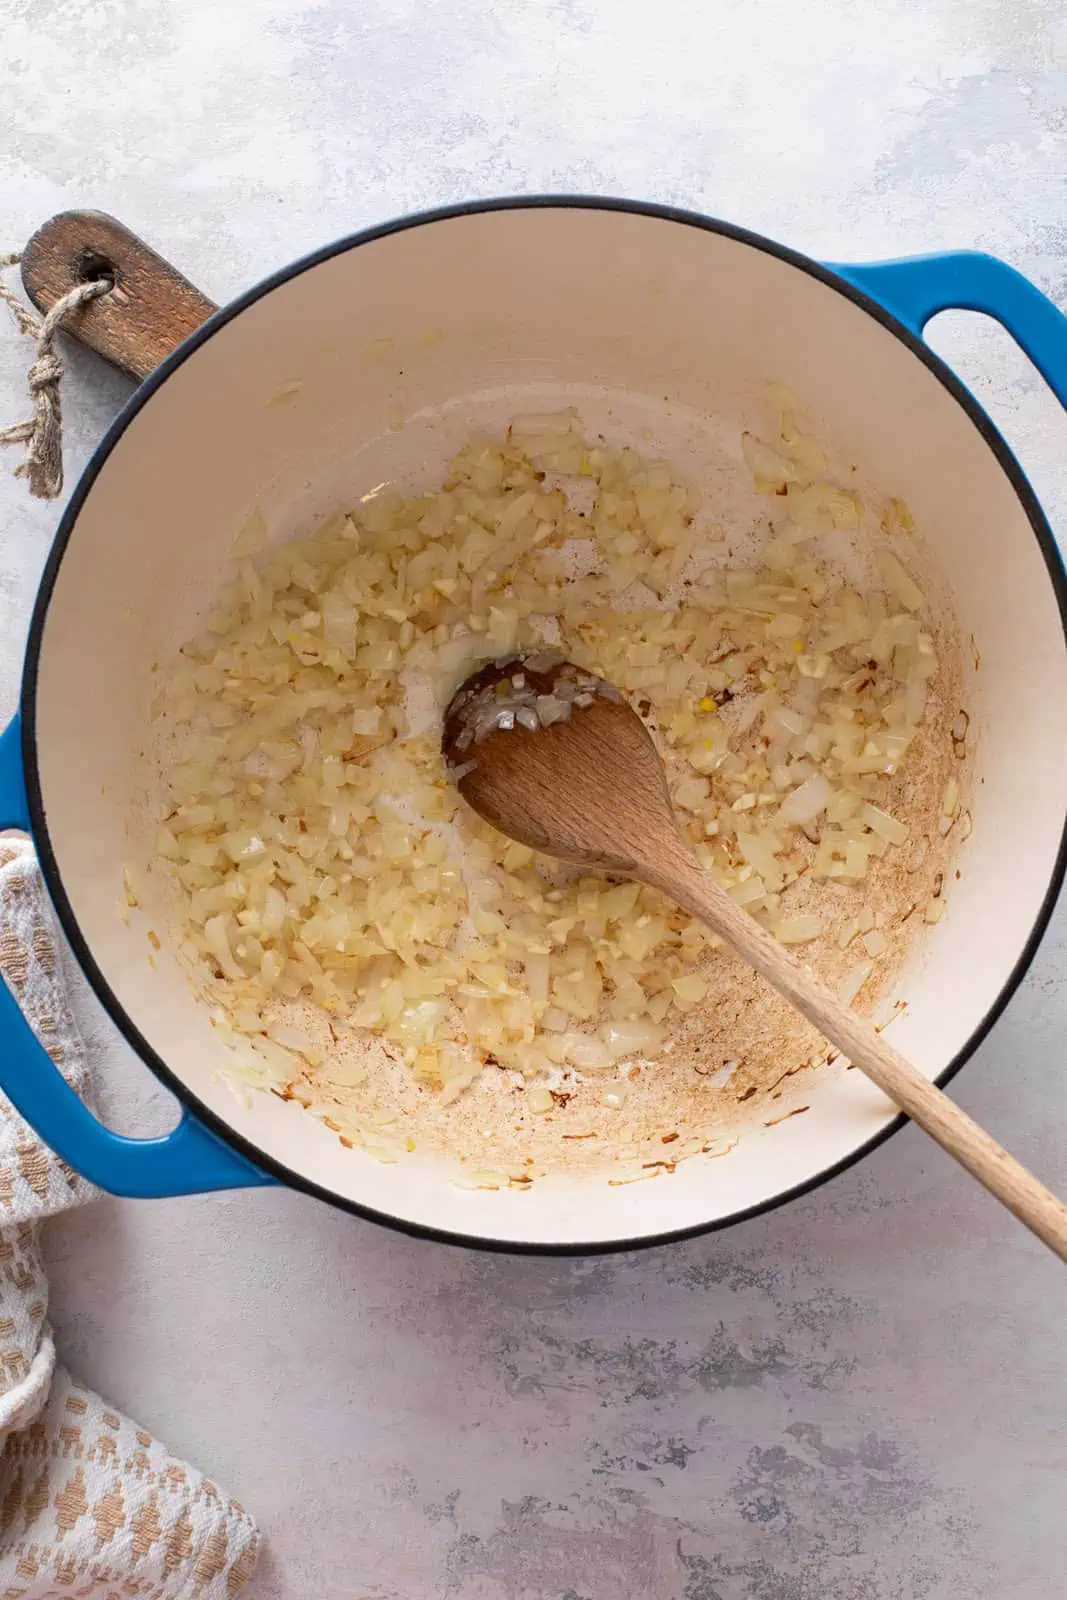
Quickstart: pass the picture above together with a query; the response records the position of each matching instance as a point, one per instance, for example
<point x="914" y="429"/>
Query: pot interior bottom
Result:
<point x="743" y="1061"/>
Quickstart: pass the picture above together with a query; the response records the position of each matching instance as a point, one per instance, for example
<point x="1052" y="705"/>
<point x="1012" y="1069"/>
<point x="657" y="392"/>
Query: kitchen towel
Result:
<point x="90" y="1504"/>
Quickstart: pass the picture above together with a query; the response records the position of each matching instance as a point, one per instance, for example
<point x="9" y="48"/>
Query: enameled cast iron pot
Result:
<point x="646" y="318"/>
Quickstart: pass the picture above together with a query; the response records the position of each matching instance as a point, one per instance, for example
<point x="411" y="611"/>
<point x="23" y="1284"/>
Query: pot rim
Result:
<point x="28" y="699"/>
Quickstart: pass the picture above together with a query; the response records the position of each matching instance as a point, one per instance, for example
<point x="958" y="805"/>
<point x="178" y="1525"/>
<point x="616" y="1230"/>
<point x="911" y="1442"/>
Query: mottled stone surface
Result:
<point x="862" y="1397"/>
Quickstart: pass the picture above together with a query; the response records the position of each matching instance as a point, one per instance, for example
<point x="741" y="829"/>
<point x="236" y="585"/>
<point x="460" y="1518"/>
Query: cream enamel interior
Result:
<point x="458" y="323"/>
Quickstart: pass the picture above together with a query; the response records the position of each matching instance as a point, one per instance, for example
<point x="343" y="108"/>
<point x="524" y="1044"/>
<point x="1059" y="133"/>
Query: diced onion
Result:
<point x="319" y="854"/>
<point x="768" y="467"/>
<point x="689" y="990"/>
<point x="586" y="1053"/>
<point x="885" y="826"/>
<point x="807" y="800"/>
<point x="898" y="583"/>
<point x="640" y="1037"/>
<point x="798" y="930"/>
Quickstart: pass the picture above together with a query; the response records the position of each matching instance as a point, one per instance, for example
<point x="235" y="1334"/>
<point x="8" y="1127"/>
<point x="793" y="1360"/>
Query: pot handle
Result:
<point x="917" y="288"/>
<point x="150" y="309"/>
<point x="187" y="1160"/>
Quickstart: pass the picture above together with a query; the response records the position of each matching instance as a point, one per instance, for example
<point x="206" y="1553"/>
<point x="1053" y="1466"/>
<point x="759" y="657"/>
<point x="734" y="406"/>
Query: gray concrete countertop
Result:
<point x="861" y="1397"/>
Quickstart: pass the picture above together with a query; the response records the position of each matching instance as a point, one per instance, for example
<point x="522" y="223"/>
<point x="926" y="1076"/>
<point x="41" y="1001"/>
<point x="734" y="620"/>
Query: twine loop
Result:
<point x="42" y="434"/>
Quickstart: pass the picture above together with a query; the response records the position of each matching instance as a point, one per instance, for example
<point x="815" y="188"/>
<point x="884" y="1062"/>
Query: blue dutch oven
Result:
<point x="647" y="318"/>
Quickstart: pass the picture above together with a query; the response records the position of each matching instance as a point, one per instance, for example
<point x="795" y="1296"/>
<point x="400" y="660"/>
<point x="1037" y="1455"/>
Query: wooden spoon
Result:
<point x="555" y="758"/>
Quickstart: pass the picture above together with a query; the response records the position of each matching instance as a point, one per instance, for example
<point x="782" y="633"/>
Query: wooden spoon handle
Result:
<point x="681" y="877"/>
<point x="151" y="307"/>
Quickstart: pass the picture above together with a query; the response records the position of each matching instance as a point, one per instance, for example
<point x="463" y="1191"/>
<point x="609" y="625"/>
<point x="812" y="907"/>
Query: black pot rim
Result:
<point x="141" y="396"/>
